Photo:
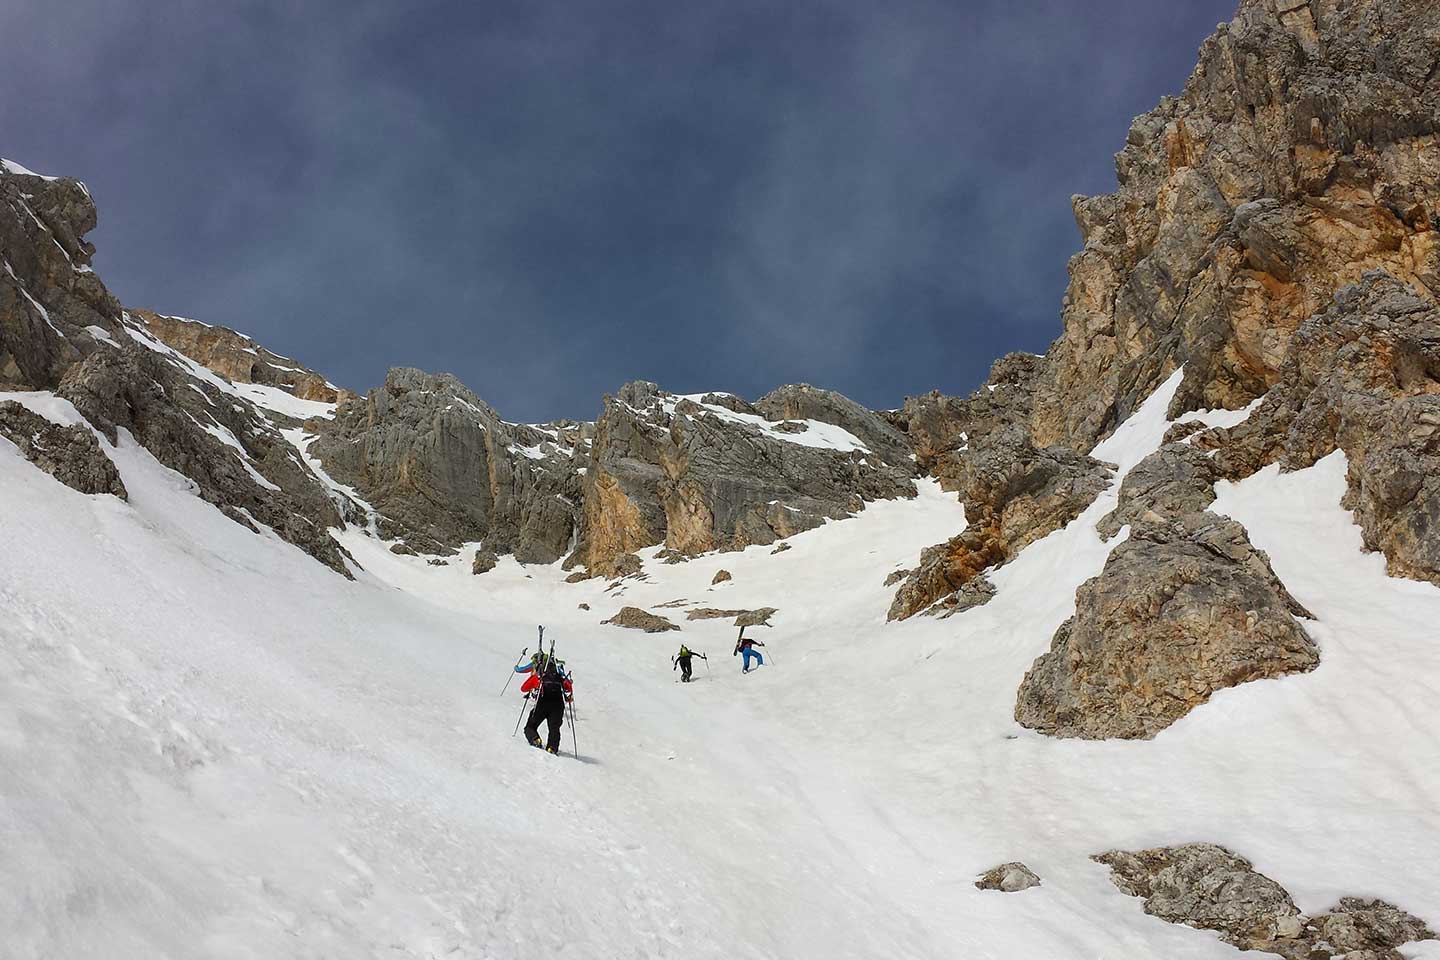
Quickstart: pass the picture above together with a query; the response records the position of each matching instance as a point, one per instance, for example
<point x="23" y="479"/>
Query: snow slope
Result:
<point x="215" y="747"/>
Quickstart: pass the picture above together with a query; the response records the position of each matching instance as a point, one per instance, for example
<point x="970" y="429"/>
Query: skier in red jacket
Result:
<point x="553" y="690"/>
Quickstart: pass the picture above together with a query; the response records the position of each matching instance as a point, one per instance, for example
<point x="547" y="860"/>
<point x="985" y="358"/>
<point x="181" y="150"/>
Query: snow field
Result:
<point x="215" y="747"/>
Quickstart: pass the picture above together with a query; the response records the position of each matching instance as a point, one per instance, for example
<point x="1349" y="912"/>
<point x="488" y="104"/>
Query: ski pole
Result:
<point x="512" y="672"/>
<point x="573" y="738"/>
<point x="523" y="704"/>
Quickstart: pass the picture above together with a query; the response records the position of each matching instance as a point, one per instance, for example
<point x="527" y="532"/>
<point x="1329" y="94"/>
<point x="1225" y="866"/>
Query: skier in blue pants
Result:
<point x="747" y="646"/>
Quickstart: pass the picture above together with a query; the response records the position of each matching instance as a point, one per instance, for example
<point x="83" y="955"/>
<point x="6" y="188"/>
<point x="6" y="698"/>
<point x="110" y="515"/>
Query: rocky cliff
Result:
<point x="443" y="469"/>
<point x="1274" y="235"/>
<point x="714" y="472"/>
<point x="237" y="358"/>
<point x="62" y="331"/>
<point x="1300" y="155"/>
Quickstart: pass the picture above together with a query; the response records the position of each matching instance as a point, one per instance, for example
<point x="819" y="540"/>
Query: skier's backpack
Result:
<point x="553" y="682"/>
<point x="684" y="651"/>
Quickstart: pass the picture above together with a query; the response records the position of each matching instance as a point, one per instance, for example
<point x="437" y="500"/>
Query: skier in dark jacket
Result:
<point x="682" y="660"/>
<point x="747" y="646"/>
<point x="553" y="690"/>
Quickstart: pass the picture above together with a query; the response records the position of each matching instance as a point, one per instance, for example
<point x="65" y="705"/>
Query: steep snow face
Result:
<point x="215" y="747"/>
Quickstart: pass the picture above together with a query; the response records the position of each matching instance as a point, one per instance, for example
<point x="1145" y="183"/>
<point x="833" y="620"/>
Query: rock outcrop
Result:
<point x="1183" y="608"/>
<point x="62" y="331"/>
<point x="1174" y="481"/>
<point x="1363" y="377"/>
<point x="1206" y="886"/>
<point x="636" y="619"/>
<point x="238" y="358"/>
<point x="1300" y="155"/>
<point x="234" y="454"/>
<point x="1008" y="878"/>
<point x="942" y="430"/>
<point x="1014" y="494"/>
<point x="70" y="454"/>
<point x="54" y="311"/>
<point x="743" y="618"/>
<point x="443" y="469"/>
<point x="707" y="474"/>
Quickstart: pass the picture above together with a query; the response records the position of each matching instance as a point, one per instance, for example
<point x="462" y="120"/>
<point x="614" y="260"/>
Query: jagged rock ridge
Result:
<point x="62" y="331"/>
<point x="714" y="472"/>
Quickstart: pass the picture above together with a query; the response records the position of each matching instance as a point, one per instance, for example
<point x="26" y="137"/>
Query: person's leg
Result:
<point x="760" y="657"/>
<point x="532" y="726"/>
<point x="747" y="653"/>
<point x="556" y="720"/>
<point x="685" y="670"/>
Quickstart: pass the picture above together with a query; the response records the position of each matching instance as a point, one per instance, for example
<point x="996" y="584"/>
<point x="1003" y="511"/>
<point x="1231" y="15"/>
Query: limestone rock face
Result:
<point x="1207" y="886"/>
<point x="1014" y="494"/>
<point x="1300" y="155"/>
<point x="1176" y="480"/>
<point x="240" y="463"/>
<point x="801" y="402"/>
<point x="1182" y="608"/>
<point x="54" y="311"/>
<point x="443" y="469"/>
<point x="1362" y="377"/>
<point x="61" y="330"/>
<point x="70" y="454"/>
<point x="942" y="430"/>
<point x="698" y="475"/>
<point x="238" y="358"/>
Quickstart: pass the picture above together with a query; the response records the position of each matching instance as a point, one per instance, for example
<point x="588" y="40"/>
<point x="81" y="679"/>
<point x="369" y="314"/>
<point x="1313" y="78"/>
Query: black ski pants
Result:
<point x="685" y="669"/>
<point x="551" y="709"/>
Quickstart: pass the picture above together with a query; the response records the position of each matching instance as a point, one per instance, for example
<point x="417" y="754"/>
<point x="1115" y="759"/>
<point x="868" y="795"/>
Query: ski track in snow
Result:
<point x="215" y="747"/>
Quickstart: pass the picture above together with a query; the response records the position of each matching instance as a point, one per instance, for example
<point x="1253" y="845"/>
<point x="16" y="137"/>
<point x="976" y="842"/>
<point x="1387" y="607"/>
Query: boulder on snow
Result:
<point x="756" y="618"/>
<point x="636" y="619"/>
<point x="1008" y="878"/>
<point x="1181" y="609"/>
<point x="1206" y="886"/>
<point x="627" y="565"/>
<point x="743" y="618"/>
<point x="721" y="577"/>
<point x="70" y="454"/>
<point x="484" y="562"/>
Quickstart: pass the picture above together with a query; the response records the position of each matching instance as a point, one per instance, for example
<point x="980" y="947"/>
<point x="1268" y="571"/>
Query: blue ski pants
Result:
<point x="747" y="653"/>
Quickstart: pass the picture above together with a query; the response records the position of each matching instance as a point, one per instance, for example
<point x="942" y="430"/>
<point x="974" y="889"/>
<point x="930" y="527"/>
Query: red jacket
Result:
<point x="532" y="682"/>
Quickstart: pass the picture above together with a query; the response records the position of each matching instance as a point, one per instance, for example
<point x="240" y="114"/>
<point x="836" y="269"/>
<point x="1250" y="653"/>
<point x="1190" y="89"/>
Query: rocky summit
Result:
<point x="1170" y="585"/>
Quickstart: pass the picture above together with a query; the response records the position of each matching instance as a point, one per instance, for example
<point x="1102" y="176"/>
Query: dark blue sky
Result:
<point x="551" y="198"/>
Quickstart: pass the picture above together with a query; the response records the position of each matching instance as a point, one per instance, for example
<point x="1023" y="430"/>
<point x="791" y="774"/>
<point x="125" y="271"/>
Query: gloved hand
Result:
<point x="569" y="698"/>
